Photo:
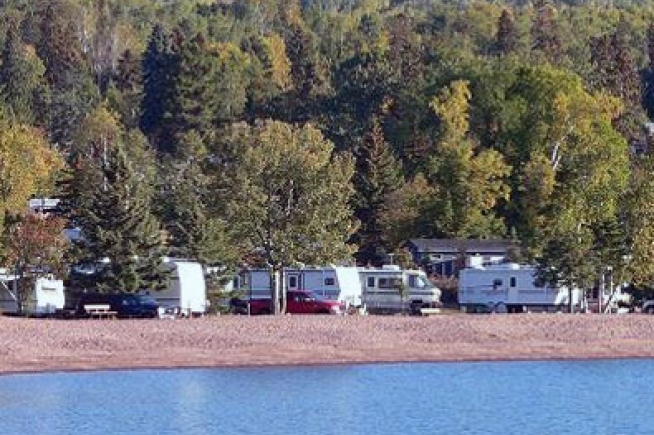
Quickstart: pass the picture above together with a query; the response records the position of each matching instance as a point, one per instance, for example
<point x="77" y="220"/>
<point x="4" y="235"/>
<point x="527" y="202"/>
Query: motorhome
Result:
<point x="511" y="287"/>
<point x="45" y="299"/>
<point x="186" y="294"/>
<point x="338" y="283"/>
<point x="392" y="289"/>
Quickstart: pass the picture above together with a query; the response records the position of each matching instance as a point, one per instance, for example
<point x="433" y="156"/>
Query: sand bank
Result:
<point x="223" y="341"/>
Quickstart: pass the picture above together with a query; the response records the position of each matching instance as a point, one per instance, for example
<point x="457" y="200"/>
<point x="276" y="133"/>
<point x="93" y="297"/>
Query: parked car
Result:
<point x="125" y="305"/>
<point x="298" y="302"/>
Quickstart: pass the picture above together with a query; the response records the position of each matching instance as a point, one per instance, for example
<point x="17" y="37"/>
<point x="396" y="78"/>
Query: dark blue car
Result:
<point x="125" y="305"/>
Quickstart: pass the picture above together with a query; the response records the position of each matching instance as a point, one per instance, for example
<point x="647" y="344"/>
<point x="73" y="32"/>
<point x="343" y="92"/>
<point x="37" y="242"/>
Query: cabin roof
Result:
<point x="470" y="246"/>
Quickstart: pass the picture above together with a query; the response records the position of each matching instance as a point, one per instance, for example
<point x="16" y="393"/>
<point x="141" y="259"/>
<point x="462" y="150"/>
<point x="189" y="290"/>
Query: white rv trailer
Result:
<point x="510" y="287"/>
<point x="186" y="293"/>
<point x="45" y="299"/>
<point x="339" y="283"/>
<point x="382" y="289"/>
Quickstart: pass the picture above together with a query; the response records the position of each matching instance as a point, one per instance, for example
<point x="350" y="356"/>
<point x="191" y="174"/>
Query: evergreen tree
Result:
<point x="507" y="37"/>
<point x="377" y="176"/>
<point x="120" y="234"/>
<point x="159" y="65"/>
<point x="307" y="71"/>
<point x="194" y="99"/>
<point x="648" y="74"/>
<point x="407" y="51"/>
<point x="59" y="46"/>
<point x="127" y="90"/>
<point x="21" y="78"/>
<point x="193" y="230"/>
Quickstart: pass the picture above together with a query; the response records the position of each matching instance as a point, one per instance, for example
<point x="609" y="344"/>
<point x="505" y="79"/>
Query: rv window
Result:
<point x="371" y="281"/>
<point x="330" y="281"/>
<point x="497" y="282"/>
<point x="416" y="282"/>
<point x="390" y="282"/>
<point x="292" y="281"/>
<point x="513" y="282"/>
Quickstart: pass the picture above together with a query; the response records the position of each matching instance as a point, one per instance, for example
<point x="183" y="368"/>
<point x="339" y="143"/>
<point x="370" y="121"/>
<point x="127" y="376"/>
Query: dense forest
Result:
<point x="284" y="132"/>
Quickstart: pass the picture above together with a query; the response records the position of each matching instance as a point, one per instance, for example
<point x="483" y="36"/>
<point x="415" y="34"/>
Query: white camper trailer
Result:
<point x="510" y="287"/>
<point x="45" y="299"/>
<point x="186" y="294"/>
<point x="338" y="283"/>
<point x="382" y="289"/>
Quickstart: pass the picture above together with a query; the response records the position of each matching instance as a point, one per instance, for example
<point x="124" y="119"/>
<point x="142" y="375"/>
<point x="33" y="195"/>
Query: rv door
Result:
<point x="293" y="281"/>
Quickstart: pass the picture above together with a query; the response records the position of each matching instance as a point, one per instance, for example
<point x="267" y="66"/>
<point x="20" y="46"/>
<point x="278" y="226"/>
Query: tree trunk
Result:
<point x="278" y="291"/>
<point x="282" y="292"/>
<point x="274" y="273"/>
<point x="570" y="304"/>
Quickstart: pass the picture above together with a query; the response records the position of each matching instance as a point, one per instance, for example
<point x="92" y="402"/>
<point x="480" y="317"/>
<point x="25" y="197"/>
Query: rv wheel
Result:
<point x="650" y="310"/>
<point x="501" y="308"/>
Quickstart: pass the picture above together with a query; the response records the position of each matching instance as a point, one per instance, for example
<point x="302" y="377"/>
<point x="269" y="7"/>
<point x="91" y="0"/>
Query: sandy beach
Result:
<point x="33" y="345"/>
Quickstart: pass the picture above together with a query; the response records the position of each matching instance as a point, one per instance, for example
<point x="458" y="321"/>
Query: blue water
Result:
<point x="583" y="397"/>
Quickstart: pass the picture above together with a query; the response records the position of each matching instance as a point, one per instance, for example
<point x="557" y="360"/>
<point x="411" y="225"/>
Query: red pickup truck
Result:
<point x="298" y="302"/>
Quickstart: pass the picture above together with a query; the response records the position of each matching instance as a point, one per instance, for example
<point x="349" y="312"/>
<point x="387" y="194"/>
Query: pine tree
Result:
<point x="307" y="73"/>
<point x="407" y="58"/>
<point x="194" y="99"/>
<point x="120" y="233"/>
<point x="615" y="72"/>
<point x="60" y="46"/>
<point x="21" y="78"/>
<point x="507" y="37"/>
<point x="377" y="176"/>
<point x="648" y="74"/>
<point x="193" y="231"/>
<point x="159" y="65"/>
<point x="128" y="87"/>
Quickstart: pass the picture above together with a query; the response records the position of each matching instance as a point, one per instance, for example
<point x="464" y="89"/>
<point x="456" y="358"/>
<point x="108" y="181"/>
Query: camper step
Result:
<point x="429" y="311"/>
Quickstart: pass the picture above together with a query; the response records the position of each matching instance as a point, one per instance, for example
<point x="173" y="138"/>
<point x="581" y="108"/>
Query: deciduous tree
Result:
<point x="288" y="197"/>
<point x="36" y="247"/>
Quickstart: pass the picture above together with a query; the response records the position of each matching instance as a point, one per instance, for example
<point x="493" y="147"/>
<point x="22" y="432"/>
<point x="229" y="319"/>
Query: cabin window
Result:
<point x="371" y="281"/>
<point x="390" y="282"/>
<point x="330" y="281"/>
<point x="513" y="281"/>
<point x="497" y="282"/>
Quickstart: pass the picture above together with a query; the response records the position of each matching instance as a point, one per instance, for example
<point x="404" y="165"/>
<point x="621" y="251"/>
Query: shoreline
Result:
<point x="52" y="345"/>
<point x="46" y="371"/>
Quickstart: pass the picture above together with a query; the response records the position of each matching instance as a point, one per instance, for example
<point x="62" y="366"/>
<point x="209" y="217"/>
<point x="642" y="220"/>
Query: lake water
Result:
<point x="581" y="397"/>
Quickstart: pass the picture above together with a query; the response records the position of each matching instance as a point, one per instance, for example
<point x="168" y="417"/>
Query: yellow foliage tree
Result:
<point x="469" y="180"/>
<point x="27" y="167"/>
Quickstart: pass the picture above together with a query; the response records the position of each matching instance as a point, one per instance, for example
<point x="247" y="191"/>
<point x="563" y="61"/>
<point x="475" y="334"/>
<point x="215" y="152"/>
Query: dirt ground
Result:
<point x="221" y="341"/>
